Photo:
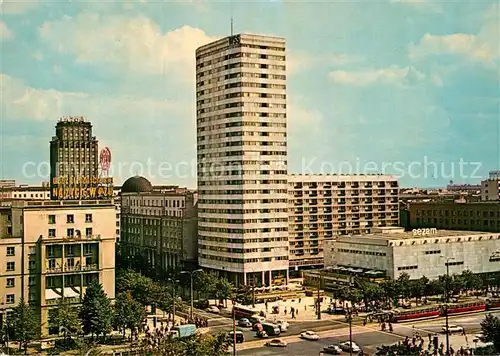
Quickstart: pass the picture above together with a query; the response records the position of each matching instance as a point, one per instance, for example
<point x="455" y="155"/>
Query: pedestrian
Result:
<point x="452" y="352"/>
<point x="296" y="312"/>
<point x="285" y="310"/>
<point x="305" y="307"/>
<point x="300" y="300"/>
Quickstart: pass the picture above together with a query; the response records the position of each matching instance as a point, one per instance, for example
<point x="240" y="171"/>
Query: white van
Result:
<point x="283" y="325"/>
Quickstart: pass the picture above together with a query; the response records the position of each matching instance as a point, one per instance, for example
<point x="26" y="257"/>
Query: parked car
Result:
<point x="309" y="335"/>
<point x="283" y="325"/>
<point x="213" y="309"/>
<point x="276" y="343"/>
<point x="332" y="350"/>
<point x="240" y="338"/>
<point x="244" y="322"/>
<point x="262" y="334"/>
<point x="348" y="348"/>
<point x="452" y="329"/>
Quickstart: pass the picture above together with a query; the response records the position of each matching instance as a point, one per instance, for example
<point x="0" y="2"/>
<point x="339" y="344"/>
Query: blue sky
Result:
<point x="404" y="87"/>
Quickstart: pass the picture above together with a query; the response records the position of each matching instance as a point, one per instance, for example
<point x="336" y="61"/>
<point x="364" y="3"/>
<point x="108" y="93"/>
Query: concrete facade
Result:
<point x="160" y="226"/>
<point x="242" y="158"/>
<point x="52" y="249"/>
<point x="321" y="207"/>
<point x="395" y="252"/>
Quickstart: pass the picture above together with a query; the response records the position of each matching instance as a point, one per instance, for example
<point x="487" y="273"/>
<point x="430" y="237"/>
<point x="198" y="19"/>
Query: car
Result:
<point x="452" y="329"/>
<point x="213" y="309"/>
<point x="283" y="325"/>
<point x="244" y="322"/>
<point x="262" y="334"/>
<point x="309" y="335"/>
<point x="332" y="350"/>
<point x="257" y="326"/>
<point x="276" y="343"/>
<point x="353" y="347"/>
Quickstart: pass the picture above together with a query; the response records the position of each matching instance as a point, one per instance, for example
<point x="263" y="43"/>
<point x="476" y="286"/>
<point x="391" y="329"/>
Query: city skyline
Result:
<point x="129" y="68"/>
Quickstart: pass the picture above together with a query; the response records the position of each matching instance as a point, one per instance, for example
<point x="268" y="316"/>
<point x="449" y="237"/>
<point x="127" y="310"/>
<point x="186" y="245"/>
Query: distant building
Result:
<point x="490" y="190"/>
<point x="477" y="216"/>
<point x="470" y="188"/>
<point x="324" y="206"/>
<point x="54" y="249"/>
<point x="158" y="225"/>
<point x="391" y="251"/>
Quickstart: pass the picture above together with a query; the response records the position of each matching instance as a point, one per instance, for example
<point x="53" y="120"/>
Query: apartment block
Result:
<point x="474" y="216"/>
<point x="54" y="249"/>
<point x="324" y="206"/>
<point x="158" y="225"/>
<point x="242" y="158"/>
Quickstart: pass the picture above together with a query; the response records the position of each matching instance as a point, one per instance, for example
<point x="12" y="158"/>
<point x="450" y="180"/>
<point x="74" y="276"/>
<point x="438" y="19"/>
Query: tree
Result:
<point x="471" y="281"/>
<point x="206" y="283"/>
<point x="217" y="345"/>
<point x="96" y="312"/>
<point x="403" y="283"/>
<point x="129" y="313"/>
<point x="490" y="328"/>
<point x="225" y="290"/>
<point x="142" y="288"/>
<point x="23" y="325"/>
<point x="372" y="296"/>
<point x="65" y="317"/>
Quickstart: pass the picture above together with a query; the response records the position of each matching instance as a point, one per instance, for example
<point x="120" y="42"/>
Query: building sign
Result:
<point x="68" y="188"/>
<point x="424" y="232"/>
<point x="105" y="158"/>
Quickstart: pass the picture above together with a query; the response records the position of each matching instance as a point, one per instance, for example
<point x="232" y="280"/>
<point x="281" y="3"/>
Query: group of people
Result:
<point x="418" y="344"/>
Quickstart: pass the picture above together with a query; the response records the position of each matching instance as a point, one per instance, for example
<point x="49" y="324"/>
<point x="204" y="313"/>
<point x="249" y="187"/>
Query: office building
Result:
<point x="390" y="252"/>
<point x="54" y="249"/>
<point x="73" y="159"/>
<point x="242" y="158"/>
<point x="324" y="206"/>
<point x="475" y="216"/>
<point x="158" y="226"/>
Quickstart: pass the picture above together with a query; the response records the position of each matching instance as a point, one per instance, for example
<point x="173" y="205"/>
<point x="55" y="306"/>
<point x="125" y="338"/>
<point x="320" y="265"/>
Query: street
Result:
<point x="369" y="337"/>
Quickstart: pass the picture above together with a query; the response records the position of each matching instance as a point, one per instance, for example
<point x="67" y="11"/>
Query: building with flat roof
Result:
<point x="158" y="226"/>
<point x="242" y="158"/>
<point x="474" y="216"/>
<point x="420" y="252"/>
<point x="322" y="207"/>
<point x="54" y="249"/>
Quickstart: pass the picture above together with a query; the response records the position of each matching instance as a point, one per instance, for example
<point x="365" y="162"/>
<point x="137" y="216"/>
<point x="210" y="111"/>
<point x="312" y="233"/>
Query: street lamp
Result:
<point x="448" y="259"/>
<point x="191" y="273"/>
<point x="319" y="300"/>
<point x="349" y="315"/>
<point x="174" y="284"/>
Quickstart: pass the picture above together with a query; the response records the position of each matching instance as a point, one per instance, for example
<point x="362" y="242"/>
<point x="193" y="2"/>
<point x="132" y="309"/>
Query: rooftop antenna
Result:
<point x="231" y="26"/>
<point x="231" y="9"/>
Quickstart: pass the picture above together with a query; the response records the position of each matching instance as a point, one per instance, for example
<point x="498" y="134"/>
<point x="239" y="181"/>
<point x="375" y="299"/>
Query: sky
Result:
<point x="409" y="88"/>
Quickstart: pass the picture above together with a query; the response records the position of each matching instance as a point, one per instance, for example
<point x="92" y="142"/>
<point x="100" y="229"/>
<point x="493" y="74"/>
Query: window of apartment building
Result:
<point x="70" y="218"/>
<point x="70" y="250"/>
<point x="10" y="299"/>
<point x="51" y="252"/>
<point x="11" y="251"/>
<point x="52" y="219"/>
<point x="32" y="296"/>
<point x="50" y="282"/>
<point x="88" y="231"/>
<point x="11" y="282"/>
<point x="32" y="264"/>
<point x="70" y="262"/>
<point x="88" y="260"/>
<point x="52" y="232"/>
<point x="70" y="232"/>
<point x="52" y="263"/>
<point x="11" y="266"/>
<point x="87" y="250"/>
<point x="32" y="280"/>
<point x="32" y="250"/>
<point x="88" y="218"/>
<point x="117" y="224"/>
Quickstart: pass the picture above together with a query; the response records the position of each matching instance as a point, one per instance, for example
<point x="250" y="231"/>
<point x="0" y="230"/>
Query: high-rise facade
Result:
<point x="73" y="158"/>
<point x="242" y="158"/>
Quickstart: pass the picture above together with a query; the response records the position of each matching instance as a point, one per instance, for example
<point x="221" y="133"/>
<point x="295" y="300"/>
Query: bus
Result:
<point x="245" y="312"/>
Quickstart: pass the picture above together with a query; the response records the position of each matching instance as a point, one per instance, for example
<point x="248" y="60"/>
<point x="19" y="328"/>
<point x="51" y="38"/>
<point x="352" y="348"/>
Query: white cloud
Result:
<point x="15" y="7"/>
<point x="299" y="61"/>
<point x="132" y="43"/>
<point x="5" y="33"/>
<point x="23" y="102"/>
<point x="482" y="47"/>
<point x="389" y="76"/>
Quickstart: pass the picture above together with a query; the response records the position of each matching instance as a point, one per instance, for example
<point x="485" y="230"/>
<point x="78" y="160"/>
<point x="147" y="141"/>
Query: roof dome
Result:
<point x="137" y="184"/>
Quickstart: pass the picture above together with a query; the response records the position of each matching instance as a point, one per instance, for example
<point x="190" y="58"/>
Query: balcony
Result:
<point x="92" y="267"/>
<point x="54" y="270"/>
<point x="70" y="239"/>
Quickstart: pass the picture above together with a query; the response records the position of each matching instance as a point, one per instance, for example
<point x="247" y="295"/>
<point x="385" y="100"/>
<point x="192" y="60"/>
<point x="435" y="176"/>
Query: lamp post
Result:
<point x="174" y="284"/>
<point x="448" y="259"/>
<point x="234" y="327"/>
<point x="191" y="273"/>
<point x="318" y="304"/>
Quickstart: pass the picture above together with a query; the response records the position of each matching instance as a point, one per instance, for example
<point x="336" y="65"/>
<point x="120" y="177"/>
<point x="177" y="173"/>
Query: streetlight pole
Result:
<point x="350" y="318"/>
<point x="174" y="284"/>
<point x="318" y="304"/>
<point x="448" y="259"/>
<point x="234" y="327"/>
<point x="191" y="273"/>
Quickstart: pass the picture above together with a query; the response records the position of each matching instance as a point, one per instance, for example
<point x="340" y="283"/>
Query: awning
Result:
<point x="70" y="293"/>
<point x="52" y="294"/>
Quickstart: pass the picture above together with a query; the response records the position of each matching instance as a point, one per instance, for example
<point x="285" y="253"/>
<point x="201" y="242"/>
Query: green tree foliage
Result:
<point x="23" y="325"/>
<point x="65" y="317"/>
<point x="96" y="312"/>
<point x="490" y="328"/>
<point x="142" y="288"/>
<point x="398" y="349"/>
<point x="129" y="313"/>
<point x="217" y="345"/>
<point x="225" y="290"/>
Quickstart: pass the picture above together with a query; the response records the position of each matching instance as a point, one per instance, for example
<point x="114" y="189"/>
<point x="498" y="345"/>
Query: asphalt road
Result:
<point x="368" y="338"/>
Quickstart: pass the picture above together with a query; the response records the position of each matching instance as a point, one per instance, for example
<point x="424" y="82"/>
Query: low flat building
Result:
<point x="324" y="206"/>
<point x="158" y="225"/>
<point x="474" y="216"/>
<point x="54" y="249"/>
<point x="420" y="252"/>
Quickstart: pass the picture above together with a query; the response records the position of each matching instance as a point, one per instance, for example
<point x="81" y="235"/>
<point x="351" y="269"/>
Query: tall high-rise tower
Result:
<point x="73" y="157"/>
<point x="242" y="158"/>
